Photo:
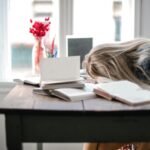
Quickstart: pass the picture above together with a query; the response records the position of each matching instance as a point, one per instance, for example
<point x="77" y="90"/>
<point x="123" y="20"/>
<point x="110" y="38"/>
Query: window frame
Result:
<point x="65" y="23"/>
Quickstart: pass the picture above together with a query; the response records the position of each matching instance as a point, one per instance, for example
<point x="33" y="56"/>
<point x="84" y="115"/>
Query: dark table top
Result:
<point x="21" y="98"/>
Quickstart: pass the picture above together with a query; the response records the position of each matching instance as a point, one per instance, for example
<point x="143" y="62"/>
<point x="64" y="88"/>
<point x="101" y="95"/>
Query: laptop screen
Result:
<point x="78" y="46"/>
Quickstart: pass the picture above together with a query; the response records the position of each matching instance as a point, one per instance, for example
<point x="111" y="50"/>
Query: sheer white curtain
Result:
<point x="5" y="59"/>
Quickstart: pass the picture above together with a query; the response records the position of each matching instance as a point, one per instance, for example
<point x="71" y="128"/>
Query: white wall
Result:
<point x="145" y="18"/>
<point x="142" y="21"/>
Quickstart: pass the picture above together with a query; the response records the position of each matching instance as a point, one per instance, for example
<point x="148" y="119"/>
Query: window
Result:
<point x="117" y="9"/>
<point x="42" y="8"/>
<point x="106" y="21"/>
<point x="21" y="40"/>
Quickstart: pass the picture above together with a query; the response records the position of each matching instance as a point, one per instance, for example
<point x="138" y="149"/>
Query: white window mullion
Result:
<point x="138" y="18"/>
<point x="5" y="61"/>
<point x="65" y="23"/>
<point x="128" y="15"/>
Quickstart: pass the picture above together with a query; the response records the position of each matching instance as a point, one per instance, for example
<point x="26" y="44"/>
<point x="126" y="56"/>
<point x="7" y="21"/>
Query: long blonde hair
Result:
<point x="118" y="61"/>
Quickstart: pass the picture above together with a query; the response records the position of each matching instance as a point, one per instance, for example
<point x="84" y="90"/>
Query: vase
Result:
<point x="38" y="52"/>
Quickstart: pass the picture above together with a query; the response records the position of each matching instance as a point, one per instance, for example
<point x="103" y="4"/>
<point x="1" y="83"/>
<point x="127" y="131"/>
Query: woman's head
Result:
<point x="118" y="60"/>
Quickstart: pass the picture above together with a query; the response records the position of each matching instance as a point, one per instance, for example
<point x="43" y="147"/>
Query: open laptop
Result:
<point x="78" y="46"/>
<point x="58" y="70"/>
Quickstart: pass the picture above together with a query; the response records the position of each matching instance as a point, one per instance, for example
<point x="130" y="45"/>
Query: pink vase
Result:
<point x="38" y="52"/>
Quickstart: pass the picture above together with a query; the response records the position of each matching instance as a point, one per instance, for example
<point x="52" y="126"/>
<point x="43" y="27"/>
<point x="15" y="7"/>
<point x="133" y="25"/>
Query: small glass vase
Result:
<point x="38" y="52"/>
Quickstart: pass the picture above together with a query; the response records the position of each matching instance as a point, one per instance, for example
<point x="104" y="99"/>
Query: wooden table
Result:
<point x="35" y="118"/>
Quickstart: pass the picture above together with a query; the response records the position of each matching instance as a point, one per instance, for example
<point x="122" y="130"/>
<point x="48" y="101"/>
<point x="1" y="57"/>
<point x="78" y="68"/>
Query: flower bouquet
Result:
<point x="39" y="29"/>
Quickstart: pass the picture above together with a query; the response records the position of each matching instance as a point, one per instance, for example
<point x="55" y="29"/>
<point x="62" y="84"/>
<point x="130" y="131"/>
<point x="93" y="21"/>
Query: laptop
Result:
<point x="78" y="46"/>
<point x="59" y="70"/>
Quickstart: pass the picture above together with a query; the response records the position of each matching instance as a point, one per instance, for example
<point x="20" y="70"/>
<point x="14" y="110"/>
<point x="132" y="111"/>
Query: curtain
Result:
<point x="5" y="60"/>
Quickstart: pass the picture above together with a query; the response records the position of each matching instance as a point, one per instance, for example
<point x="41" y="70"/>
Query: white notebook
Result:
<point x="59" y="70"/>
<point x="75" y="94"/>
<point x="124" y="91"/>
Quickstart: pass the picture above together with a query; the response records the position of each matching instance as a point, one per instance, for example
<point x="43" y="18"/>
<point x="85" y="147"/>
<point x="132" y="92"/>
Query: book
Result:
<point x="51" y="86"/>
<point x="61" y="69"/>
<point x="30" y="80"/>
<point x="61" y="81"/>
<point x="41" y="91"/>
<point x="69" y="94"/>
<point x="123" y="91"/>
<point x="75" y="94"/>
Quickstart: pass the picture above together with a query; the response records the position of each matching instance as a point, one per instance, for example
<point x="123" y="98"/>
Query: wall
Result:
<point x="145" y="21"/>
<point x="142" y="21"/>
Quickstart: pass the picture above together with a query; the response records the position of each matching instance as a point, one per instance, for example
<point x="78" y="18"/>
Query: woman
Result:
<point x="118" y="61"/>
<point x="129" y="60"/>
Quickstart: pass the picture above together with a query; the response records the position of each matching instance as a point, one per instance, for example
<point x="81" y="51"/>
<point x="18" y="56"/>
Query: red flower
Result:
<point x="39" y="28"/>
<point x="47" y="19"/>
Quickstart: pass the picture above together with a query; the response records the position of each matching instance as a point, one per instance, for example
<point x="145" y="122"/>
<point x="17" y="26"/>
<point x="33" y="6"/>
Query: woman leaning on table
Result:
<point x="117" y="61"/>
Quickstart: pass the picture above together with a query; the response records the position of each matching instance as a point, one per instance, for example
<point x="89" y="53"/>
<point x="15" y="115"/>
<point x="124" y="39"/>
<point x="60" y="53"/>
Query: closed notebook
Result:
<point x="75" y="94"/>
<point x="51" y="86"/>
<point x="123" y="91"/>
<point x="41" y="91"/>
<point x="30" y="80"/>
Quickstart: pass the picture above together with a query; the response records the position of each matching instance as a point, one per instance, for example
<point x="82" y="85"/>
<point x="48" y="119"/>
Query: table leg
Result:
<point x="13" y="132"/>
<point x="39" y="146"/>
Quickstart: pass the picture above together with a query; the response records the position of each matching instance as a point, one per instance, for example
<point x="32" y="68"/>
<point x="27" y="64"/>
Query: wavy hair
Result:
<point x="119" y="61"/>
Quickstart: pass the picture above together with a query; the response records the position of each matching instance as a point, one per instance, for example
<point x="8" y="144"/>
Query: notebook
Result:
<point x="75" y="94"/>
<point x="74" y="84"/>
<point x="123" y="91"/>
<point x="60" y="70"/>
<point x="69" y="94"/>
